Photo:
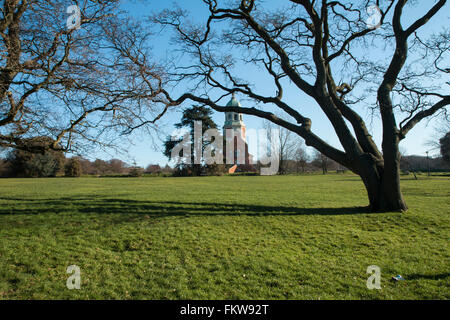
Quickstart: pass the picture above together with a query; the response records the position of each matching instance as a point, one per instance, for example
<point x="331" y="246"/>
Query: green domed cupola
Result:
<point x="233" y="120"/>
<point x="233" y="102"/>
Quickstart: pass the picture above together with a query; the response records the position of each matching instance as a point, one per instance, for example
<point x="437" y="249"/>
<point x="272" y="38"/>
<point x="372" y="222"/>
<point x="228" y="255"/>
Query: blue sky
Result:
<point x="143" y="149"/>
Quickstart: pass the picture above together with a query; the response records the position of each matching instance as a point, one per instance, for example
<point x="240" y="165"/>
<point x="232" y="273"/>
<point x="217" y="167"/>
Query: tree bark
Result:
<point x="382" y="183"/>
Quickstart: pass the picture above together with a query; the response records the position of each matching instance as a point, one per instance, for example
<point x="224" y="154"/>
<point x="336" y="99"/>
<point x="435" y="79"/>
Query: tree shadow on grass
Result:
<point x="96" y="205"/>
<point x="428" y="276"/>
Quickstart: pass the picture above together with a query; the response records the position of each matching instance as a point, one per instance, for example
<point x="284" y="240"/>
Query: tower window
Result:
<point x="236" y="117"/>
<point x="241" y="117"/>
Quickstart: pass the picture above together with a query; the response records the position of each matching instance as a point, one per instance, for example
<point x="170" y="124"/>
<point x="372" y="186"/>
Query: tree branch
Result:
<point x="422" y="115"/>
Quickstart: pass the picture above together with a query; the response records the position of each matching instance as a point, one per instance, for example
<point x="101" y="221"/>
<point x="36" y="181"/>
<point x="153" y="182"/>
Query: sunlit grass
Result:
<point x="293" y="237"/>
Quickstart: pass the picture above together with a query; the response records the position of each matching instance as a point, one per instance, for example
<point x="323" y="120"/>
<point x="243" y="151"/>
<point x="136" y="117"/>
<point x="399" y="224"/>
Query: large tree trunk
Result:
<point x="385" y="196"/>
<point x="383" y="187"/>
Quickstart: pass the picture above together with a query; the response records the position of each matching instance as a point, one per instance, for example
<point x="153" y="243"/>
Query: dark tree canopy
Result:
<point x="27" y="164"/>
<point x="326" y="51"/>
<point x="196" y="113"/>
<point x="191" y="115"/>
<point x="445" y="147"/>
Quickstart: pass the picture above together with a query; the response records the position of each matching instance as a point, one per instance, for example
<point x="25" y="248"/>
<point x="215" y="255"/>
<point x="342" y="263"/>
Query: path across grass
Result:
<point x="283" y="237"/>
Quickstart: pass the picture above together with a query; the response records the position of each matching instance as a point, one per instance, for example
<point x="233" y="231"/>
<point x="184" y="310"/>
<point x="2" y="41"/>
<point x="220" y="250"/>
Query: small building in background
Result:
<point x="241" y="159"/>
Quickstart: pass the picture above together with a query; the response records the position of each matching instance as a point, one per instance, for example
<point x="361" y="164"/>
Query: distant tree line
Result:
<point x="422" y="164"/>
<point x="294" y="160"/>
<point x="22" y="164"/>
<point x="53" y="163"/>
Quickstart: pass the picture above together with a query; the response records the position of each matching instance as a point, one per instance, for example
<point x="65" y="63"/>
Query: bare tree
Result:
<point x="321" y="161"/>
<point x="76" y="84"/>
<point x="284" y="141"/>
<point x="315" y="46"/>
<point x="300" y="157"/>
<point x="405" y="163"/>
<point x="153" y="168"/>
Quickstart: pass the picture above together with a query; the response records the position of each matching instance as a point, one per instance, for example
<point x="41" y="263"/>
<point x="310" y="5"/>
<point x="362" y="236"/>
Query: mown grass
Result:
<point x="292" y="237"/>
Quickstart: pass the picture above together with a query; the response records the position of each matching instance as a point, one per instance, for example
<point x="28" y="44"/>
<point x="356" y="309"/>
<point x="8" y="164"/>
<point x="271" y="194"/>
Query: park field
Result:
<point x="232" y="237"/>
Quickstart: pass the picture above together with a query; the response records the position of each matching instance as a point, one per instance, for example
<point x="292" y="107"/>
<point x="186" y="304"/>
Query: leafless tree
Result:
<point x="316" y="47"/>
<point x="300" y="157"/>
<point x="321" y="161"/>
<point x="405" y="163"/>
<point x="78" y="86"/>
<point x="285" y="143"/>
<point x="153" y="168"/>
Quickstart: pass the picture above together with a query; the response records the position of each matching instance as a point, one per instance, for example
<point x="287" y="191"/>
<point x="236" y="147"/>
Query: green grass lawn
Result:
<point x="291" y="237"/>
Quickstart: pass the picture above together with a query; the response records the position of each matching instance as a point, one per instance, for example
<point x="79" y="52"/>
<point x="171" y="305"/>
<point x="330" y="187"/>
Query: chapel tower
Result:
<point x="235" y="122"/>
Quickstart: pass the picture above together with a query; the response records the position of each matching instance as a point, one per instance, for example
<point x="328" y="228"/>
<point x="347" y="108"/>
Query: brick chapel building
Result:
<point x="235" y="122"/>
